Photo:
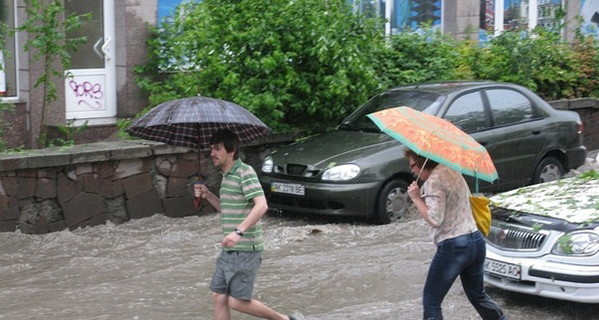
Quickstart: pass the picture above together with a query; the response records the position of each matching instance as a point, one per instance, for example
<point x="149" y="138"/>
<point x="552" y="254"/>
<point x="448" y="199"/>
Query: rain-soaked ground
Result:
<point x="159" y="268"/>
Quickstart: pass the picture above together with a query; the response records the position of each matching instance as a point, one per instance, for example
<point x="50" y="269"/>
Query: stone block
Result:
<point x="11" y="162"/>
<point x="137" y="184"/>
<point x="10" y="212"/>
<point x="185" y="168"/>
<point x="67" y="188"/>
<point x="54" y="160"/>
<point x="91" y="222"/>
<point x="130" y="152"/>
<point x="144" y="205"/>
<point x="82" y="207"/>
<point x="46" y="188"/>
<point x="164" y="165"/>
<point x="129" y="167"/>
<point x="57" y="226"/>
<point x="8" y="225"/>
<point x="89" y="154"/>
<point x="104" y="169"/>
<point x="10" y="185"/>
<point x="179" y="207"/>
<point x="48" y="173"/>
<point x="116" y="209"/>
<point x="26" y="187"/>
<point x="178" y="187"/>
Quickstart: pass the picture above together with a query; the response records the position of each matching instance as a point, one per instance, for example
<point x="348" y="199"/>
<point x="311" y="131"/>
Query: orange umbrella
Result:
<point x="438" y="140"/>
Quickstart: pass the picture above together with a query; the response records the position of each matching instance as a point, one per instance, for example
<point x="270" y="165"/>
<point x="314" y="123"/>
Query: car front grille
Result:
<point x="512" y="237"/>
<point x="295" y="169"/>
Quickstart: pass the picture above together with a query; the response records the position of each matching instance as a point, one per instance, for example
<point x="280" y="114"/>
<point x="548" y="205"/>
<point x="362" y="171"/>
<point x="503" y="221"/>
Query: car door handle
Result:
<point x="536" y="131"/>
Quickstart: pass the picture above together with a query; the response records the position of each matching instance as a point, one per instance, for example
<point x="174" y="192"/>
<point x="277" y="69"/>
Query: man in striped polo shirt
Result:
<point x="242" y="203"/>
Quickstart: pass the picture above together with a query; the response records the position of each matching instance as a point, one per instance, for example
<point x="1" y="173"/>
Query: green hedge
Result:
<point x="306" y="64"/>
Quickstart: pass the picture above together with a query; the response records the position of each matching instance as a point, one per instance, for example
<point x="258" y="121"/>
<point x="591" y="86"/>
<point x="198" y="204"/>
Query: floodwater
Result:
<point x="159" y="268"/>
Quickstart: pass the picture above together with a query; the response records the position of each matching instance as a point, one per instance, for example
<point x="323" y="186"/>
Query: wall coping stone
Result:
<point x="86" y="153"/>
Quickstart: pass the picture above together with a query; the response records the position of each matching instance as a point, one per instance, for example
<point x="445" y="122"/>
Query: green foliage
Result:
<point x="68" y="132"/>
<point x="47" y="29"/>
<point x="424" y="55"/>
<point x="539" y="60"/>
<point x="289" y="62"/>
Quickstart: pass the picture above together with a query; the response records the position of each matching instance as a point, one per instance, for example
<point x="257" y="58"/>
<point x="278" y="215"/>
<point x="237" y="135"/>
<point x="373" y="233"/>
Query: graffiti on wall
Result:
<point x="88" y="95"/>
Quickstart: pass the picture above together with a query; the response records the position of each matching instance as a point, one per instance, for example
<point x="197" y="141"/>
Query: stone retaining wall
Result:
<point x="46" y="190"/>
<point x="588" y="109"/>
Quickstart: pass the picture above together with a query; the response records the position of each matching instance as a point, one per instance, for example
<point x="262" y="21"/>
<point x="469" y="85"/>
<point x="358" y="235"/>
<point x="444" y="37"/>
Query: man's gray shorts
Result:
<point x="235" y="273"/>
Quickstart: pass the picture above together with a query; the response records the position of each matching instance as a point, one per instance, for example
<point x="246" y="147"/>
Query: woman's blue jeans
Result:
<point x="462" y="256"/>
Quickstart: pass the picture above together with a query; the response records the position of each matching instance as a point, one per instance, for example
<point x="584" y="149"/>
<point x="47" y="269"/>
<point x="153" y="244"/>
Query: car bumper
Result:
<point x="576" y="156"/>
<point x="354" y="199"/>
<point x="544" y="278"/>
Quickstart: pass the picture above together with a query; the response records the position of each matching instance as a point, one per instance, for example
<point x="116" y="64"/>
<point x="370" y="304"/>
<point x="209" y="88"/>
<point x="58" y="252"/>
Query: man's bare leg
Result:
<point x="256" y="309"/>
<point x="221" y="306"/>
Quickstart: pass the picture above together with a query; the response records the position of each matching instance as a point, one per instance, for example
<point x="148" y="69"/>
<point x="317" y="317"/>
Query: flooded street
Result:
<point x="159" y="268"/>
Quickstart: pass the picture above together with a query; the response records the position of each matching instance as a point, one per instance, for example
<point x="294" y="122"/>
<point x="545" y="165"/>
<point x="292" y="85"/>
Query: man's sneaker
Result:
<point x="296" y="316"/>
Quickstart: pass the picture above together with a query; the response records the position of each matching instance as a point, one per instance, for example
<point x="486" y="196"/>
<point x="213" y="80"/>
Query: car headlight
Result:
<point x="268" y="164"/>
<point x="341" y="173"/>
<point x="577" y="244"/>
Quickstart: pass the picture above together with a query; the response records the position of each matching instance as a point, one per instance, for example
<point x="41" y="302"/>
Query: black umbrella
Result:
<point x="190" y="122"/>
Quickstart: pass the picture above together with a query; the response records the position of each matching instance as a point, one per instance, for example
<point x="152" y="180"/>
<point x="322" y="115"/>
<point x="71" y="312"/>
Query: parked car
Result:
<point x="356" y="170"/>
<point x="544" y="240"/>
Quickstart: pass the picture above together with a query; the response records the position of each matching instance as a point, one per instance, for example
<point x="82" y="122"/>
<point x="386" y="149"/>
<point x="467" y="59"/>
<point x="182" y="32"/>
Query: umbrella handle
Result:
<point x="424" y="164"/>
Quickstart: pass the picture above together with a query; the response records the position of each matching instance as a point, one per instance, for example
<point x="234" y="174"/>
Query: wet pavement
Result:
<point x="159" y="268"/>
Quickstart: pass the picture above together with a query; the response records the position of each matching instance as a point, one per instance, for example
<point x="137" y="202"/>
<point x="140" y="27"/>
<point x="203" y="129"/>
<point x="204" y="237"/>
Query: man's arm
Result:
<point x="211" y="197"/>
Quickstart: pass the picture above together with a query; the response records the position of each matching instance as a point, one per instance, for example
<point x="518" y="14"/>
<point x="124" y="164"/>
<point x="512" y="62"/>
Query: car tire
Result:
<point x="549" y="169"/>
<point x="393" y="202"/>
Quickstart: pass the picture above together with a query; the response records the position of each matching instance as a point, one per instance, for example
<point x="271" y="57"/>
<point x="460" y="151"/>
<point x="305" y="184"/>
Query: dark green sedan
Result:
<point x="356" y="170"/>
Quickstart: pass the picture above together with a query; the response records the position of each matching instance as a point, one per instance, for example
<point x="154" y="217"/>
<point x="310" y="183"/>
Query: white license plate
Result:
<point x="290" y="188"/>
<point x="503" y="269"/>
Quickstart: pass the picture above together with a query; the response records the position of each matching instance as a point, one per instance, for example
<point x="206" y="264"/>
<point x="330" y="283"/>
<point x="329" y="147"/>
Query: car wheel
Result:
<point x="393" y="202"/>
<point x="549" y="169"/>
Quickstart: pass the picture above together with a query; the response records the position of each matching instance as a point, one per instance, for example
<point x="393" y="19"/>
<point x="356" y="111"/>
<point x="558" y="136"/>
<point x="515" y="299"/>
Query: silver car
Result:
<point x="544" y="240"/>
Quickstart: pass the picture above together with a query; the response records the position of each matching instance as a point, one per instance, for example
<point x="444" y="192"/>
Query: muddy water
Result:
<point x="159" y="268"/>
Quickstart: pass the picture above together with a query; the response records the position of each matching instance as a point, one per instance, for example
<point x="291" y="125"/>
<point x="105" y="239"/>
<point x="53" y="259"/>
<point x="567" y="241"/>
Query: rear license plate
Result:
<point x="503" y="269"/>
<point x="289" y="188"/>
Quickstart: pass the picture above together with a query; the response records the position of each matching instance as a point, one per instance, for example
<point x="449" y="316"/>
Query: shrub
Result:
<point x="539" y="60"/>
<point x="289" y="62"/>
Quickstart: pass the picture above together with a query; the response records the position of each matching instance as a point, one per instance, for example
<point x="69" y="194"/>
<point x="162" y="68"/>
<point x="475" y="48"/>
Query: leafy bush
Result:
<point x="539" y="60"/>
<point x="289" y="62"/>
<point x="424" y="55"/>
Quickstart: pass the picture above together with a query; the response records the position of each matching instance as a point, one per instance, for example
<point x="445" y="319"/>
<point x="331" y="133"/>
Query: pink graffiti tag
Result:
<point x="88" y="94"/>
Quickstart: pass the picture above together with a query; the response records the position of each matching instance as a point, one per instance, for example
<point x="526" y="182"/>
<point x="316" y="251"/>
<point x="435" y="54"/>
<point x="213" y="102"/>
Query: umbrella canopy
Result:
<point x="190" y="122"/>
<point x="438" y="140"/>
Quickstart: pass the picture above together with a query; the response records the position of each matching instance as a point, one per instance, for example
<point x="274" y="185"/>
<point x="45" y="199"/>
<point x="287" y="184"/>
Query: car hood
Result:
<point x="575" y="200"/>
<point x="335" y="147"/>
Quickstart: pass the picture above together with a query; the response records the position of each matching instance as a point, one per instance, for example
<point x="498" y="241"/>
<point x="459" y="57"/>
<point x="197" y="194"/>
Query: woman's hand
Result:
<point x="414" y="190"/>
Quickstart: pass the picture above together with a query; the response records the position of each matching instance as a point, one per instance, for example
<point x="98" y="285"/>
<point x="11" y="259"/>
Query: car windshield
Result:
<point x="423" y="101"/>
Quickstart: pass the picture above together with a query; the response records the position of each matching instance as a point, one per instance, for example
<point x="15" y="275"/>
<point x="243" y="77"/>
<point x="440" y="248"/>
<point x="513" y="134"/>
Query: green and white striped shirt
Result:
<point x="239" y="186"/>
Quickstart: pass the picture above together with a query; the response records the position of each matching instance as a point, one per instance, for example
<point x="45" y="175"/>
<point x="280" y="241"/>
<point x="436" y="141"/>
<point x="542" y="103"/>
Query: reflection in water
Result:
<point x="159" y="268"/>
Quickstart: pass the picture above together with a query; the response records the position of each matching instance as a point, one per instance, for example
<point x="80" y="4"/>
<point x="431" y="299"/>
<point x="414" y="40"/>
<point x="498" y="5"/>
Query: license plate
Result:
<point x="289" y="188"/>
<point x="503" y="269"/>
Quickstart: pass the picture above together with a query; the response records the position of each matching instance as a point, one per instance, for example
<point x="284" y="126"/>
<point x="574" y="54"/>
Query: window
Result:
<point x="467" y="112"/>
<point x="499" y="15"/>
<point x="509" y="107"/>
<point x="8" y="56"/>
